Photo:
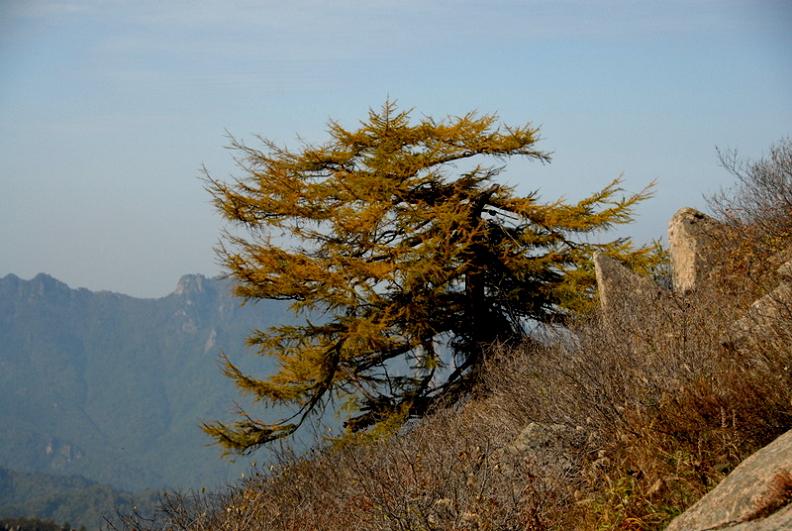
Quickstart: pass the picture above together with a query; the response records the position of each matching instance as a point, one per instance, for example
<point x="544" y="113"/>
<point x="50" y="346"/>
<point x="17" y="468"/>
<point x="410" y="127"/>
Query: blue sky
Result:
<point x="109" y="108"/>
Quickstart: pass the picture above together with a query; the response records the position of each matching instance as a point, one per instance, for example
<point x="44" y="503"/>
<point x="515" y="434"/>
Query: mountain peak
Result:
<point x="195" y="283"/>
<point x="43" y="282"/>
<point x="10" y="277"/>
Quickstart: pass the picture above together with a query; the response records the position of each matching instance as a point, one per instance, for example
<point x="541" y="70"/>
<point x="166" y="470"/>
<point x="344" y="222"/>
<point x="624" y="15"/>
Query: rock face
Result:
<point x="757" y="495"/>
<point x="694" y="255"/>
<point x="190" y="284"/>
<point x="785" y="259"/>
<point x="691" y="237"/>
<point x="619" y="288"/>
<point x="767" y="314"/>
<point x="786" y="271"/>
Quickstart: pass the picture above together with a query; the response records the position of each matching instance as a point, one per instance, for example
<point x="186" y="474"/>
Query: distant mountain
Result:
<point x="113" y="388"/>
<point x="67" y="499"/>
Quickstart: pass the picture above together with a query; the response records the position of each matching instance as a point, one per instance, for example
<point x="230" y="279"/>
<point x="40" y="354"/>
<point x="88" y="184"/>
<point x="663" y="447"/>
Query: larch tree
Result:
<point x="405" y="267"/>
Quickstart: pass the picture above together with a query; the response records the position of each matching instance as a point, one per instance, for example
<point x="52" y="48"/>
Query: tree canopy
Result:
<point x="406" y="260"/>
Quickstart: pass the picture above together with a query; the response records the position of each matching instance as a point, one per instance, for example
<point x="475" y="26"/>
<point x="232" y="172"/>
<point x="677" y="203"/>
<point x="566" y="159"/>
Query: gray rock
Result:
<point x="620" y="289"/>
<point x="757" y="495"/>
<point x="551" y="450"/>
<point x="765" y="314"/>
<point x="778" y="521"/>
<point x="785" y="271"/>
<point x="691" y="235"/>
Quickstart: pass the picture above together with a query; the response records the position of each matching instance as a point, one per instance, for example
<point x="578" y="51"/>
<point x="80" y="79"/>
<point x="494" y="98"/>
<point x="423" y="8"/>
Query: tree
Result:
<point x="414" y="264"/>
<point x="762" y="198"/>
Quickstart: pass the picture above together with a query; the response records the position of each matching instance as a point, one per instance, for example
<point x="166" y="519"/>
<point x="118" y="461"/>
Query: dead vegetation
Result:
<point x="617" y="423"/>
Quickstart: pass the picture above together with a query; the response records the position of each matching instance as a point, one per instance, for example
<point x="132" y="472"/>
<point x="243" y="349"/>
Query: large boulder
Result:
<point x="621" y="290"/>
<point x="692" y="236"/>
<point x="757" y="495"/>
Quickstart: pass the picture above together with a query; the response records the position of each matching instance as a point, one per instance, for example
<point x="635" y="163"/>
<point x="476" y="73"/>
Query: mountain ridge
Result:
<point x="72" y="498"/>
<point x="185" y="283"/>
<point x="114" y="387"/>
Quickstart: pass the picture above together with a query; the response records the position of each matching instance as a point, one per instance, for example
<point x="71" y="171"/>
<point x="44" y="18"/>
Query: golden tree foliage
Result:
<point x="413" y="265"/>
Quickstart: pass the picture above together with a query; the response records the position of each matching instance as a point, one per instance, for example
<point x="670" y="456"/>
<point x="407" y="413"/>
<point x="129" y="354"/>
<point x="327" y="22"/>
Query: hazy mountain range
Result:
<point x="68" y="499"/>
<point x="113" y="388"/>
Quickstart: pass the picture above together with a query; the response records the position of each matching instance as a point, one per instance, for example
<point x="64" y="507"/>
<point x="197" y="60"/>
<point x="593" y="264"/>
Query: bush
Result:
<point x="762" y="199"/>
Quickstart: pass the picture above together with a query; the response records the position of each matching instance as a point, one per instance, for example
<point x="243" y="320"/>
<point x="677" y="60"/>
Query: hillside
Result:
<point x="668" y="406"/>
<point x="67" y="499"/>
<point x="112" y="387"/>
<point x="623" y="421"/>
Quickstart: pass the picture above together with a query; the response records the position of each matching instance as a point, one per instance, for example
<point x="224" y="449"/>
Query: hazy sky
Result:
<point x="109" y="108"/>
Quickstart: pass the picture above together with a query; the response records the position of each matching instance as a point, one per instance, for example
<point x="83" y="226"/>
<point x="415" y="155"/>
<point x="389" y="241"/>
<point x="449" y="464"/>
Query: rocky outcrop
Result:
<point x="692" y="236"/>
<point x="766" y="315"/>
<point x="784" y="258"/>
<point x="191" y="284"/>
<point x="785" y="271"/>
<point x="620" y="289"/>
<point x="757" y="495"/>
<point x="694" y="255"/>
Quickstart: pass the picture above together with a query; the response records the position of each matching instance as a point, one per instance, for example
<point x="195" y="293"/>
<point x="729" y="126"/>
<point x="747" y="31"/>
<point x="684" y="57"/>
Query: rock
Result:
<point x="621" y="289"/>
<point x="757" y="495"/>
<point x="550" y="449"/>
<point x="766" y="313"/>
<point x="778" y="521"/>
<point x="189" y="284"/>
<point x="691" y="235"/>
<point x="785" y="271"/>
